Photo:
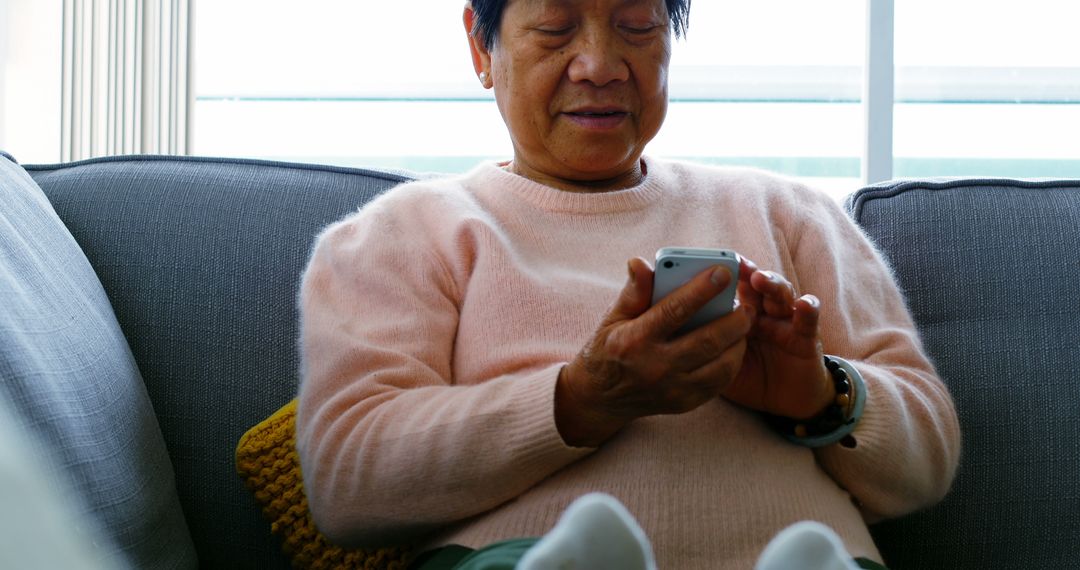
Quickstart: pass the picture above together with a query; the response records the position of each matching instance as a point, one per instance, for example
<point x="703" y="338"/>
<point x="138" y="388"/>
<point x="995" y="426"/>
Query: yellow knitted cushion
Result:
<point x="267" y="462"/>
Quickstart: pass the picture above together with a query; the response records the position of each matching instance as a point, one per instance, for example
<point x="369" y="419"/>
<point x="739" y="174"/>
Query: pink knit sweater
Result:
<point x="436" y="319"/>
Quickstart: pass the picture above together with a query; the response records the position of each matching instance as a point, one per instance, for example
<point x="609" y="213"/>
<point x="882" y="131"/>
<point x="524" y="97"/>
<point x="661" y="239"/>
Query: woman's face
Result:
<point x="581" y="85"/>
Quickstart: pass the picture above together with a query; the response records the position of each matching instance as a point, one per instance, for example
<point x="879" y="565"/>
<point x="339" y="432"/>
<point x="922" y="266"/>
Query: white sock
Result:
<point x="806" y="545"/>
<point x="595" y="532"/>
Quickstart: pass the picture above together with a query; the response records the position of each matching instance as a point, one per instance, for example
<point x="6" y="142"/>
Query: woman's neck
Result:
<point x="629" y="179"/>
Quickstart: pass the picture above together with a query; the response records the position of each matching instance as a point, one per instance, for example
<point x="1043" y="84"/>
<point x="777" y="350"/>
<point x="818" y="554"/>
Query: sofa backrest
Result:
<point x="201" y="259"/>
<point x="991" y="270"/>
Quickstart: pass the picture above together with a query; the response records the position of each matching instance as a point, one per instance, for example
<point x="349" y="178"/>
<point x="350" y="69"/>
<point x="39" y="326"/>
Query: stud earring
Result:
<point x="483" y="78"/>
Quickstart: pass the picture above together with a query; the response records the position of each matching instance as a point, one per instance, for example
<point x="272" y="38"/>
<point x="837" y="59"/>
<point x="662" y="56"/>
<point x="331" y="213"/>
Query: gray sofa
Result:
<point x="200" y="257"/>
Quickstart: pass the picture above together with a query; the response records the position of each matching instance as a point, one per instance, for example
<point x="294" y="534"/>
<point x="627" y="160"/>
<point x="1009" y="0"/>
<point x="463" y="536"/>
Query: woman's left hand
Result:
<point x="783" y="372"/>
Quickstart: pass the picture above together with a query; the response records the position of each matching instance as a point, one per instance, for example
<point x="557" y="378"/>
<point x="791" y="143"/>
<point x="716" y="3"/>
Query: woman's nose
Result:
<point x="598" y="59"/>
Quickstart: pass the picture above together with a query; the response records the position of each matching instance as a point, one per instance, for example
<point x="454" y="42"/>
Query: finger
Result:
<point x="778" y="294"/>
<point x="746" y="293"/>
<point x="807" y="313"/>
<point x="780" y="334"/>
<point x="687" y="391"/>
<point x="747" y="267"/>
<point x="706" y="343"/>
<point x="674" y="310"/>
<point x="718" y="373"/>
<point x="636" y="294"/>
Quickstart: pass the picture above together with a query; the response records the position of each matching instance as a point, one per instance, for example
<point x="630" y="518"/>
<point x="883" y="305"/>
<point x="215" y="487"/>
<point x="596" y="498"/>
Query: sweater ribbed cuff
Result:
<point x="536" y="437"/>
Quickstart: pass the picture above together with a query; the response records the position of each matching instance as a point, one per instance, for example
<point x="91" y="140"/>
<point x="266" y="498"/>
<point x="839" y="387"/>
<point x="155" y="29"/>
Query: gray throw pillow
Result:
<point x="68" y="374"/>
<point x="40" y="524"/>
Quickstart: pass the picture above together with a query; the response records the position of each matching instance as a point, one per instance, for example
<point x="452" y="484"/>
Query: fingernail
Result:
<point x="720" y="276"/>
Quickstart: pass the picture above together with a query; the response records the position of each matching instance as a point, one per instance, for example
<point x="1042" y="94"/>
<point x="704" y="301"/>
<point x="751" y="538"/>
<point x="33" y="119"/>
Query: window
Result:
<point x="349" y="83"/>
<point x="982" y="87"/>
<point x="342" y="82"/>
<point x="773" y="84"/>
<point x="987" y="87"/>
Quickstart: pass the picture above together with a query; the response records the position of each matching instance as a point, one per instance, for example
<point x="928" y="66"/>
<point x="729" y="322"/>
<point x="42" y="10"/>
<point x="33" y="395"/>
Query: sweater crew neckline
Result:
<point x="496" y="182"/>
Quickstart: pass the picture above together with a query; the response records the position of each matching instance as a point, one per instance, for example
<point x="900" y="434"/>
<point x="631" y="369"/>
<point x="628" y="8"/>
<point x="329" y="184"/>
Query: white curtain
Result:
<point x="126" y="78"/>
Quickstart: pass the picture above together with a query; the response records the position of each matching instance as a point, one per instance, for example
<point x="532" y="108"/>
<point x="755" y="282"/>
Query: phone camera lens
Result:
<point x="669" y="264"/>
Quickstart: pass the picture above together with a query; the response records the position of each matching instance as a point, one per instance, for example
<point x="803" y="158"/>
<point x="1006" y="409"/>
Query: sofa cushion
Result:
<point x="267" y="461"/>
<point x="202" y="259"/>
<point x="70" y="377"/>
<point x="991" y="270"/>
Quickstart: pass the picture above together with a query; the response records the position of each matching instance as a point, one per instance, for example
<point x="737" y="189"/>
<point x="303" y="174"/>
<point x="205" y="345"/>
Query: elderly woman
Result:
<point x="481" y="350"/>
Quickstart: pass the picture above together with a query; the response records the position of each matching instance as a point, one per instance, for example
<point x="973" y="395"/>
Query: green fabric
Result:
<point x="868" y="564"/>
<point x="441" y="558"/>
<point x="498" y="556"/>
<point x="504" y="555"/>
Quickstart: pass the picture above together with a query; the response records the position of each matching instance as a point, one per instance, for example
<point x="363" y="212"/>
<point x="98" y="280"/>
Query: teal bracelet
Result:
<point x="837" y="421"/>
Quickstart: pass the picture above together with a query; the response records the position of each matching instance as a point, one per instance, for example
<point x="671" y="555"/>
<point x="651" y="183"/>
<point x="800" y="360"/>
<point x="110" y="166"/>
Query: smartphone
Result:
<point x="677" y="265"/>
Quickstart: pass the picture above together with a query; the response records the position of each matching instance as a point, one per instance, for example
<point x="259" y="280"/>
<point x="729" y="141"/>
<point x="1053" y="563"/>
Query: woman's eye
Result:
<point x="556" y="31"/>
<point x="639" y="30"/>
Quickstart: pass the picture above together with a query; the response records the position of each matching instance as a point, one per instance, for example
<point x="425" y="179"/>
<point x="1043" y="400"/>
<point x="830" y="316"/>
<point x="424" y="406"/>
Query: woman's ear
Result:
<point x="481" y="57"/>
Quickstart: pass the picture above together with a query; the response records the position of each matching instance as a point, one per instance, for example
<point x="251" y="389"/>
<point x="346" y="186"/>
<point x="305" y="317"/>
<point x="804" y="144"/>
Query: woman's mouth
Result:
<point x="597" y="119"/>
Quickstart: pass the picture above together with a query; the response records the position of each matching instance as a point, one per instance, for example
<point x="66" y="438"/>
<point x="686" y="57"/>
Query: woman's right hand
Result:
<point x="632" y="367"/>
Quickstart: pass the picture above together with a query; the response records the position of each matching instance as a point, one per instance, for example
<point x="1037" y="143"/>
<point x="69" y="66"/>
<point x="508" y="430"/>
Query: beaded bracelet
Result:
<point x="838" y="420"/>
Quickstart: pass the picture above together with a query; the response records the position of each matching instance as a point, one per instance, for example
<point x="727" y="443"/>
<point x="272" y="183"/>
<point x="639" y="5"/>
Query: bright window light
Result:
<point x="353" y="83"/>
<point x="987" y="88"/>
<point x="982" y="87"/>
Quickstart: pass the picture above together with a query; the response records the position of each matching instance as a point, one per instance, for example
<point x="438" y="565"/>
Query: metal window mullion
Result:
<point x="878" y="92"/>
<point x="150" y="81"/>
<point x="113" y="116"/>
<point x="125" y="139"/>
<point x="137" y="44"/>
<point x="93" y="67"/>
<point x="174" y="75"/>
<point x="80" y="132"/>
<point x="76" y="83"/>
<point x="66" y="88"/>
<point x="164" y="70"/>
<point x="161" y="44"/>
<point x="189" y="78"/>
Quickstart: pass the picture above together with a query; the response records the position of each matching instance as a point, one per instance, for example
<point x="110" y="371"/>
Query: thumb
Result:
<point x="636" y="295"/>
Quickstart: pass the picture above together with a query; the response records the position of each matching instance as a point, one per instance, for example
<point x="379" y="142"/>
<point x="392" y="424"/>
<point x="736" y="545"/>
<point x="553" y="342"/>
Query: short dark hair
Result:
<point x="489" y="16"/>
